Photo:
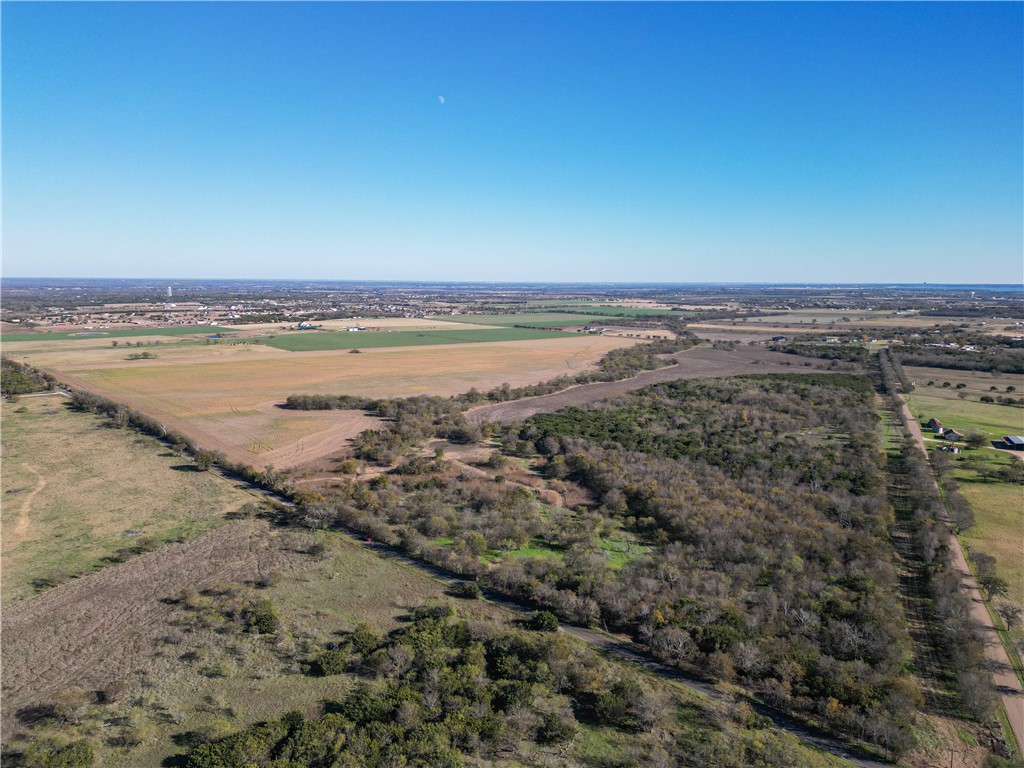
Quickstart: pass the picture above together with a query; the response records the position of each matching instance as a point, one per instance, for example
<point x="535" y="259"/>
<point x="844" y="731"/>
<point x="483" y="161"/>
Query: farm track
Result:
<point x="695" y="363"/>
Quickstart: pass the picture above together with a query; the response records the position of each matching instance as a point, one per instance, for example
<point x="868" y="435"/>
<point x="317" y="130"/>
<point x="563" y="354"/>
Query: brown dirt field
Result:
<point x="696" y="363"/>
<point x="102" y="628"/>
<point x="224" y="397"/>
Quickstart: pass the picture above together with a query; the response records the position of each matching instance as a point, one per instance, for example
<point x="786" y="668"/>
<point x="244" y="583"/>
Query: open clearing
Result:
<point x="695" y="363"/>
<point x="73" y="485"/>
<point x="225" y="396"/>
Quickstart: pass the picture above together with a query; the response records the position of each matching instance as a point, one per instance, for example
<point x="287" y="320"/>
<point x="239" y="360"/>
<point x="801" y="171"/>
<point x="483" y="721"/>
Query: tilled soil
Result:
<point x="696" y="363"/>
<point x="103" y="629"/>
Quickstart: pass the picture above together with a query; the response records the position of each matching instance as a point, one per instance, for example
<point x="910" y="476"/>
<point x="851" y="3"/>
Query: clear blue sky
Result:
<point x="643" y="142"/>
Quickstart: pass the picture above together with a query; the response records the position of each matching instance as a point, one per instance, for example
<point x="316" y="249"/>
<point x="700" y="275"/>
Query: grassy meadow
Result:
<point x="73" y="487"/>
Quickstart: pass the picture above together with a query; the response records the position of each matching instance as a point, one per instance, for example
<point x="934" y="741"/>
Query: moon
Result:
<point x="440" y="99"/>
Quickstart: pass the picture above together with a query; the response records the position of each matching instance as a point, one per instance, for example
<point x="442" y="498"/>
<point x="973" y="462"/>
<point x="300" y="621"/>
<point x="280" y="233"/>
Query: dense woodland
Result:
<point x="1001" y="358"/>
<point x="762" y="527"/>
<point x="19" y="379"/>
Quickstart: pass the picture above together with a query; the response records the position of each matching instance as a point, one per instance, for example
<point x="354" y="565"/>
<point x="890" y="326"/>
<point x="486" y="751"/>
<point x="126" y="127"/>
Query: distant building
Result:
<point x="952" y="435"/>
<point x="1014" y="442"/>
<point x="935" y="426"/>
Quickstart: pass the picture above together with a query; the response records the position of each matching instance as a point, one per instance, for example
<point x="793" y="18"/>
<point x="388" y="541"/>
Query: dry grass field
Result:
<point x="225" y="395"/>
<point x="122" y="629"/>
<point x="73" y="486"/>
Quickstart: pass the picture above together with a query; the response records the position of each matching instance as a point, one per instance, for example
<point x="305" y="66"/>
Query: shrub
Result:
<point x="555" y="729"/>
<point x="543" y="621"/>
<point x="262" y="617"/>
<point x="331" y="662"/>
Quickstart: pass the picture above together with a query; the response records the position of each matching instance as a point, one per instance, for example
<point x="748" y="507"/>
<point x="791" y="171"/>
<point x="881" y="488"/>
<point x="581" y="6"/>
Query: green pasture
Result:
<point x="325" y="340"/>
<point x="81" y="334"/>
<point x="965" y="416"/>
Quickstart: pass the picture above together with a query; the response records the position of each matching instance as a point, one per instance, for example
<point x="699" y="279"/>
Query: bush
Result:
<point x="555" y="729"/>
<point x="78" y="754"/>
<point x="262" y="617"/>
<point x="469" y="590"/>
<point x="543" y="621"/>
<point x="331" y="662"/>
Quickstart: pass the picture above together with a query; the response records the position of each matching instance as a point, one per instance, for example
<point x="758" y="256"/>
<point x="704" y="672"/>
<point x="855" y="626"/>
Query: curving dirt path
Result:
<point x="19" y="531"/>
<point x="695" y="363"/>
<point x="1007" y="683"/>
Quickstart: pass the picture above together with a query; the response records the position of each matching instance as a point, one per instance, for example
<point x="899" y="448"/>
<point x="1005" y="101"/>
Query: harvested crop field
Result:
<point x="696" y="363"/>
<point x="225" y="397"/>
<point x="75" y="490"/>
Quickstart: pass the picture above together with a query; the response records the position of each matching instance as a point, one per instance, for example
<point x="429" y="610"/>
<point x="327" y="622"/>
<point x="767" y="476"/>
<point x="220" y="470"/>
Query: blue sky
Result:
<point x="641" y="142"/>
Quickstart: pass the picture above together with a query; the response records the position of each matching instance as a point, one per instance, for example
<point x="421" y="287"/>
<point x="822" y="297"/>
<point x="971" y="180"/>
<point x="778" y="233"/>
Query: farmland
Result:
<point x="76" y="491"/>
<point x="326" y="340"/>
<point x="226" y="395"/>
<point x="119" y="333"/>
<point x="573" y="316"/>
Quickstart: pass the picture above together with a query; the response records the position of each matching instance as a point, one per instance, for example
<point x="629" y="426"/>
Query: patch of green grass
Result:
<point x="117" y="333"/>
<point x="536" y="547"/>
<point x="999" y="520"/>
<point x="77" y="490"/>
<point x="966" y="738"/>
<point x="965" y="416"/>
<point x="316" y="341"/>
<point x="621" y="551"/>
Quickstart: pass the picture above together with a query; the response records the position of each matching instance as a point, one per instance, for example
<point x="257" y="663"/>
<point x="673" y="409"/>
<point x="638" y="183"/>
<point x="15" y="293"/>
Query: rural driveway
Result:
<point x="1006" y="680"/>
<point x="694" y="363"/>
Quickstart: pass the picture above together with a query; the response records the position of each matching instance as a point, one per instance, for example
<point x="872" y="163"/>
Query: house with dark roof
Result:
<point x="1014" y="442"/>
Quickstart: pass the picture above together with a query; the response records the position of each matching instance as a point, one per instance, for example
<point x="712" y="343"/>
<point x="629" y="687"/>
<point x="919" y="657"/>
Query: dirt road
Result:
<point x="696" y="363"/>
<point x="1007" y="683"/>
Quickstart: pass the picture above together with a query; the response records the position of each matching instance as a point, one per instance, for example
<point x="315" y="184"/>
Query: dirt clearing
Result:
<point x="696" y="363"/>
